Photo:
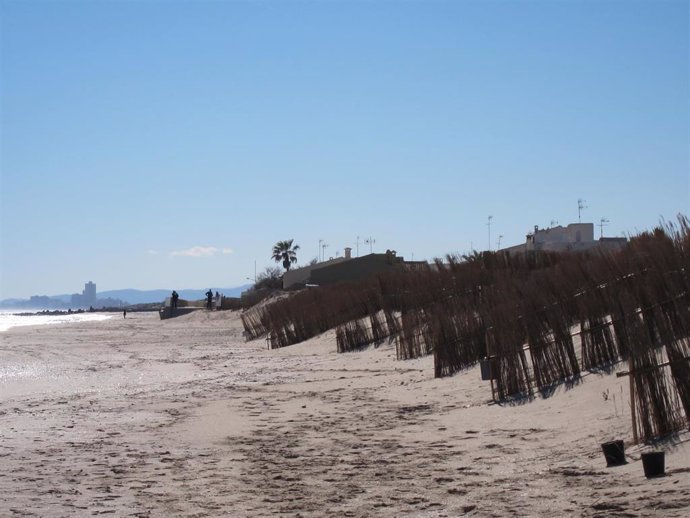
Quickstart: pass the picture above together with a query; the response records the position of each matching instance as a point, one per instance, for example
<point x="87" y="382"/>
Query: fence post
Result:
<point x="633" y="412"/>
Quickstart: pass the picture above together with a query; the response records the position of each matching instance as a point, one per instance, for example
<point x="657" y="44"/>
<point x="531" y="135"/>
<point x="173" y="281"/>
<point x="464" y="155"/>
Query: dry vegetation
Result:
<point x="541" y="319"/>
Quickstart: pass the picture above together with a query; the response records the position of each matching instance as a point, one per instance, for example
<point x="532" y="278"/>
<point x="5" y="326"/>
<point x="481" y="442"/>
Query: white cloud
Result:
<point x="152" y="252"/>
<point x="228" y="251"/>
<point x="197" y="251"/>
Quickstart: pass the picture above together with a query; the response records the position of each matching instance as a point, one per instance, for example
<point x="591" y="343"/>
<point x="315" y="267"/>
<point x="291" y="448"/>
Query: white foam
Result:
<point x="8" y="320"/>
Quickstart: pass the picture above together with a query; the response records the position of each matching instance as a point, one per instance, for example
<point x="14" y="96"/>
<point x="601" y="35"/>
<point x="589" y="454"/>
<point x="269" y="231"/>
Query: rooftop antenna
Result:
<point x="580" y="205"/>
<point x="323" y="247"/>
<point x="319" y="254"/>
<point x="488" y="224"/>
<point x="498" y="244"/>
<point x="357" y="246"/>
<point x="370" y="241"/>
<point x="603" y="222"/>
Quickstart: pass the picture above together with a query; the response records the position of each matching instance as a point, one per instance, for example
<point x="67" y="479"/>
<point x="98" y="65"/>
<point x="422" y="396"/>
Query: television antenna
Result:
<point x="319" y="254"/>
<point x="488" y="224"/>
<point x="357" y="246"/>
<point x="323" y="247"/>
<point x="603" y="222"/>
<point x="580" y="205"/>
<point x="498" y="243"/>
<point x="370" y="241"/>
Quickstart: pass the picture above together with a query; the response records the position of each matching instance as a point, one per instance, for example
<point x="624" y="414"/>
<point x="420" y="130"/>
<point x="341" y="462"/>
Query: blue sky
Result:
<point x="158" y="144"/>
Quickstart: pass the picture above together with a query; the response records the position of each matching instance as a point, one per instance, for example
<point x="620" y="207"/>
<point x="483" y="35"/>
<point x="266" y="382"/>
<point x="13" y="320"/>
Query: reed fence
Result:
<point x="541" y="318"/>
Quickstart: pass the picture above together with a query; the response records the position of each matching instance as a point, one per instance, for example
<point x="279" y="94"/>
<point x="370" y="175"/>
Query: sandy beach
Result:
<point x="182" y="417"/>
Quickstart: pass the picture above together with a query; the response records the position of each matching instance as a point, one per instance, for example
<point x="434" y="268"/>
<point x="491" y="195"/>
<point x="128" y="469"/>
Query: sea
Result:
<point x="13" y="318"/>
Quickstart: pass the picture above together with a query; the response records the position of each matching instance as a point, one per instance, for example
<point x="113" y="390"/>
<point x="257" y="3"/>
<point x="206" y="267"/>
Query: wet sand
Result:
<point x="182" y="417"/>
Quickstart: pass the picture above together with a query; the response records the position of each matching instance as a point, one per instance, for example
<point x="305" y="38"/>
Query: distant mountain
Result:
<point x="10" y="302"/>
<point x="129" y="296"/>
<point x="35" y="302"/>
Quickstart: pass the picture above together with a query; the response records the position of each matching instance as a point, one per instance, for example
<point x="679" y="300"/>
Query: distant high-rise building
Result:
<point x="89" y="294"/>
<point x="77" y="300"/>
<point x="86" y="298"/>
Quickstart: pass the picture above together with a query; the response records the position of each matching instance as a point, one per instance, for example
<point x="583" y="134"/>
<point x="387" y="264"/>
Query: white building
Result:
<point x="576" y="237"/>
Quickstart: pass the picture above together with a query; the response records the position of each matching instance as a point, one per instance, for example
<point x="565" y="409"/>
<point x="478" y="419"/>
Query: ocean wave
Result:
<point x="9" y="320"/>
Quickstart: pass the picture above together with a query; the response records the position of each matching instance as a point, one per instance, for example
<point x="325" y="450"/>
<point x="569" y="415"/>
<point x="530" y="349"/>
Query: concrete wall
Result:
<point x="517" y="249"/>
<point x="356" y="269"/>
<point x="230" y="303"/>
<point x="301" y="275"/>
<point x="612" y="244"/>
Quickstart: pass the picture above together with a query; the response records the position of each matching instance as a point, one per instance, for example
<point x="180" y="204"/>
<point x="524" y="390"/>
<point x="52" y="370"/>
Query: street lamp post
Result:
<point x="249" y="278"/>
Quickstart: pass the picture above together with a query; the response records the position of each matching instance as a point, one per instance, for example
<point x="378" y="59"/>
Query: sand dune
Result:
<point x="142" y="417"/>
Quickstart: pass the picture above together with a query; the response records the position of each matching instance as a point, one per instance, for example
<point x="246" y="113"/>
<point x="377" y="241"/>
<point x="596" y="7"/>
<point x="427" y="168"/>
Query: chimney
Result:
<point x="348" y="253"/>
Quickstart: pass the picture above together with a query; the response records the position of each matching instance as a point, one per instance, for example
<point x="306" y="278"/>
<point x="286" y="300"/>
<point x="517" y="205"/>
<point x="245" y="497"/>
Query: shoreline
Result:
<point x="59" y="312"/>
<point x="182" y="417"/>
<point x="51" y="312"/>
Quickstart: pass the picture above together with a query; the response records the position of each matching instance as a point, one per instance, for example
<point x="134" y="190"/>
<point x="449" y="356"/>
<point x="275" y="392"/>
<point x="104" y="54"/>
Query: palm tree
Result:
<point x="285" y="251"/>
<point x="473" y="256"/>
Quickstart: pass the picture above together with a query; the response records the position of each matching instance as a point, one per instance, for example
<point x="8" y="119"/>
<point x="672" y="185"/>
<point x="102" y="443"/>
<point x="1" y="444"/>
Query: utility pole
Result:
<point x="603" y="223"/>
<point x="488" y="224"/>
<point x="580" y="205"/>
<point x="498" y="245"/>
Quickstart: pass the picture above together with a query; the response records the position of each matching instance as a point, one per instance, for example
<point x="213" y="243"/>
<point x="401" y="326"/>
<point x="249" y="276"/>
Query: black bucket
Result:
<point x="653" y="464"/>
<point x="488" y="368"/>
<point x="614" y="452"/>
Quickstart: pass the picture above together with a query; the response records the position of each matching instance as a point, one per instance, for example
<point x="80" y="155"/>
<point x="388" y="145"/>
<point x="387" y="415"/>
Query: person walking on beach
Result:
<point x="124" y="313"/>
<point x="209" y="299"/>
